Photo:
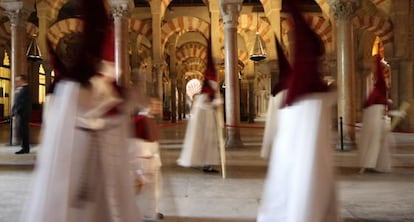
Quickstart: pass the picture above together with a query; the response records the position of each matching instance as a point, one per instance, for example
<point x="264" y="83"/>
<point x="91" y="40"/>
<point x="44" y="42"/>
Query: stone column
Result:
<point x="15" y="12"/>
<point x="214" y="25"/>
<point x="343" y="12"/>
<point x="252" y="98"/>
<point x="173" y="78"/>
<point x="157" y="51"/>
<point x="180" y="99"/>
<point x="122" y="66"/>
<point x="230" y="10"/>
<point x="43" y="12"/>
<point x="158" y="71"/>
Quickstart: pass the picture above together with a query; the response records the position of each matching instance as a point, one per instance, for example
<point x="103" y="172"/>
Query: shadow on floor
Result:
<point x="366" y="220"/>
<point x="195" y="219"/>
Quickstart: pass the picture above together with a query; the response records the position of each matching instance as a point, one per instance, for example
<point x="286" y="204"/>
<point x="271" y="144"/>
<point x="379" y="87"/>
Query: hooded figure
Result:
<point x="373" y="143"/>
<point x="82" y="172"/>
<point x="300" y="184"/>
<point x="201" y="144"/>
<point x="275" y="101"/>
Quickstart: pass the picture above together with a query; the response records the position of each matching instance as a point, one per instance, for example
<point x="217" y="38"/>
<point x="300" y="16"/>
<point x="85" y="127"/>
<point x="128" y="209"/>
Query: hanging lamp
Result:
<point x="258" y="53"/>
<point x="33" y="51"/>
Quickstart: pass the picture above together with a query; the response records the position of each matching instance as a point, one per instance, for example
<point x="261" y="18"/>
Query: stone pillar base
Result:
<point x="234" y="142"/>
<point x="348" y="145"/>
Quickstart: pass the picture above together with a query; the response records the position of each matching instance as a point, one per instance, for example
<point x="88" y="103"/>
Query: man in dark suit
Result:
<point x="22" y="109"/>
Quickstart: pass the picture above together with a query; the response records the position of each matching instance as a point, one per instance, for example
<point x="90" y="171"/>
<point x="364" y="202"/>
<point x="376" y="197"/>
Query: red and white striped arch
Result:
<point x="242" y="55"/>
<point x="379" y="26"/>
<point x="318" y="24"/>
<point x="164" y="5"/>
<point x="252" y="23"/>
<point x="182" y="25"/>
<point x="142" y="27"/>
<point x="378" y="2"/>
<point x="194" y="65"/>
<point x="5" y="31"/>
<point x="191" y="49"/>
<point x="54" y="6"/>
<point x="62" y="28"/>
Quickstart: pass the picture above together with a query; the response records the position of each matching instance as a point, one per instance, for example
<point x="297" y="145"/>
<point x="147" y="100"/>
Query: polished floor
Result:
<point x="191" y="195"/>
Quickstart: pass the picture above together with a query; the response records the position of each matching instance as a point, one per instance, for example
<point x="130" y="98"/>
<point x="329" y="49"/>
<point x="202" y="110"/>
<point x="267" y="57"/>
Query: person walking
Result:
<point x="22" y="109"/>
<point x="82" y="172"/>
<point x="201" y="141"/>
<point x="300" y="184"/>
<point x="375" y="140"/>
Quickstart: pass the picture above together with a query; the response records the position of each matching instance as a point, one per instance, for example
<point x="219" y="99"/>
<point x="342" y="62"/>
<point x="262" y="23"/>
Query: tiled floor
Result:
<point x="192" y="196"/>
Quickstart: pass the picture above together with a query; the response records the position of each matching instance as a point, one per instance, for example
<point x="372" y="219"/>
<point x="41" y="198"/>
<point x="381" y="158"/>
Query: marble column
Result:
<point x="15" y="12"/>
<point x="230" y="10"/>
<point x="122" y="66"/>
<point x="343" y="11"/>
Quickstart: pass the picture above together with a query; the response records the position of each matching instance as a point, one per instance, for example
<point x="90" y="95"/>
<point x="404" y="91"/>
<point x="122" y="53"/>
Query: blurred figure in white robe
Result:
<point x="201" y="142"/>
<point x="375" y="139"/>
<point x="300" y="183"/>
<point x="82" y="173"/>
<point x="275" y="102"/>
<point x="146" y="165"/>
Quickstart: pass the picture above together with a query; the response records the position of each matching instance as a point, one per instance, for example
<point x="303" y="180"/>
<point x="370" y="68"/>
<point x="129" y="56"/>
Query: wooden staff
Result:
<point x="220" y="125"/>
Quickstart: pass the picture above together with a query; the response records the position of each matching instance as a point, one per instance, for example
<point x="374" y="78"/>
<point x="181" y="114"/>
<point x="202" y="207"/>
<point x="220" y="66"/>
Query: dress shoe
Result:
<point x="22" y="151"/>
<point x="209" y="169"/>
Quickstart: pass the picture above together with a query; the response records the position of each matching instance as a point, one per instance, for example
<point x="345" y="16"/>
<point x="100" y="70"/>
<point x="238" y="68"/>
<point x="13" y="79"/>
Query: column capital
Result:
<point x="230" y="10"/>
<point x="344" y="9"/>
<point x="15" y="12"/>
<point x="119" y="8"/>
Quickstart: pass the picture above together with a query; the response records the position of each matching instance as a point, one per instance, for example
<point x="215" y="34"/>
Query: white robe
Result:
<point x="200" y="147"/>
<point x="300" y="183"/>
<point x="81" y="174"/>
<point x="373" y="143"/>
<point x="146" y="164"/>
<point x="269" y="134"/>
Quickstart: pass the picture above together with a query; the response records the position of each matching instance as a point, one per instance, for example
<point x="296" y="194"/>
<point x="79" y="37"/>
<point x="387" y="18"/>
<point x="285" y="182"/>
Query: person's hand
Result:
<point x="217" y="102"/>
<point x="397" y="113"/>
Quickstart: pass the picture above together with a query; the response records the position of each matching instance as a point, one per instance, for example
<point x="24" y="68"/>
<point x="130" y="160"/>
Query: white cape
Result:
<point x="81" y="175"/>
<point x="300" y="183"/>
<point x="200" y="147"/>
<point x="373" y="142"/>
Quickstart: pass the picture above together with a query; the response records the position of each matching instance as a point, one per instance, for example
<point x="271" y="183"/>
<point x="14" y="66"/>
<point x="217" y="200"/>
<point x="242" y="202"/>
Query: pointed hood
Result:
<point x="284" y="70"/>
<point x="95" y="31"/>
<point x="210" y="77"/>
<point x="305" y="77"/>
<point x="379" y="94"/>
<point x="107" y="56"/>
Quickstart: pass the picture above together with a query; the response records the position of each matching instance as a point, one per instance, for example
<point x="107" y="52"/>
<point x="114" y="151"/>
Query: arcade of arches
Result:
<point x="164" y="44"/>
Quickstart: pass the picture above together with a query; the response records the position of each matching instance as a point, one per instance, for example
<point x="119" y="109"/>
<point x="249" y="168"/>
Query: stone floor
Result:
<point x="191" y="196"/>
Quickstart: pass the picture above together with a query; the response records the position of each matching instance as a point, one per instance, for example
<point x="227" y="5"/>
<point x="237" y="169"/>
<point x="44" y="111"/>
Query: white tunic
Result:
<point x="373" y="143"/>
<point x="300" y="182"/>
<point x="269" y="134"/>
<point x="81" y="174"/>
<point x="200" y="145"/>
